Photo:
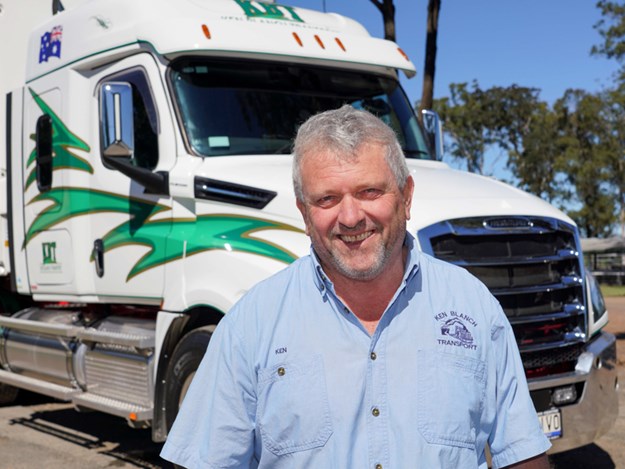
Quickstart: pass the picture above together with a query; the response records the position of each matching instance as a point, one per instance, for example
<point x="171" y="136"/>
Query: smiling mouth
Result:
<point x="355" y="238"/>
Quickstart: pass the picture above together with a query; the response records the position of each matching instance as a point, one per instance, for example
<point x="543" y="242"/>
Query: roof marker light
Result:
<point x="132" y="417"/>
<point x="207" y="33"/>
<point x="338" y="41"/>
<point x="299" y="41"/>
<point x="403" y="54"/>
<point x="318" y="39"/>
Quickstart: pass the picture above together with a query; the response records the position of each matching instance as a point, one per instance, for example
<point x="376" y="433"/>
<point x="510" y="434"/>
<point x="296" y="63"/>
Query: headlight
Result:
<point x="597" y="314"/>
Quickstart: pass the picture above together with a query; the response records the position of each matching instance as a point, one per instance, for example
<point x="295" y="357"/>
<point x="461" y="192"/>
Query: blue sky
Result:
<point x="536" y="43"/>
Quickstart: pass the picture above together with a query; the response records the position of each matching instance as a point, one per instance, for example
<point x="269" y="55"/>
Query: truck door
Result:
<point x="129" y="225"/>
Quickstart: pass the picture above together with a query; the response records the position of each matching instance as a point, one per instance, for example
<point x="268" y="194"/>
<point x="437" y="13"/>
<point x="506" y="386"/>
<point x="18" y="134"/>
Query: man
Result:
<point x="344" y="359"/>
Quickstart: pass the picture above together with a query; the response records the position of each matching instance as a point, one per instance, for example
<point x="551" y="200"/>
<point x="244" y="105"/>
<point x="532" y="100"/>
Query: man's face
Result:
<point x="355" y="213"/>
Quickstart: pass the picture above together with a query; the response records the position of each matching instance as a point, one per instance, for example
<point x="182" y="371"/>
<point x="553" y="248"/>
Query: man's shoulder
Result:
<point x="451" y="280"/>
<point x="430" y="264"/>
<point x="276" y="287"/>
<point x="300" y="270"/>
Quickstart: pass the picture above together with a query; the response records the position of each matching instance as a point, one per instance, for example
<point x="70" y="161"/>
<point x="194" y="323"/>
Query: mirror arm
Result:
<point x="154" y="182"/>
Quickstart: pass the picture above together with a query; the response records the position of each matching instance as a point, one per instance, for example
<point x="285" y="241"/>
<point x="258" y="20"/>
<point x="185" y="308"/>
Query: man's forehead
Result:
<point x="343" y="155"/>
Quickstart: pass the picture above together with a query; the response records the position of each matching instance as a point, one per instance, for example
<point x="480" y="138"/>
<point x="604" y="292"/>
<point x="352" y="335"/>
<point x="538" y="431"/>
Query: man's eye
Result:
<point x="326" y="201"/>
<point x="370" y="193"/>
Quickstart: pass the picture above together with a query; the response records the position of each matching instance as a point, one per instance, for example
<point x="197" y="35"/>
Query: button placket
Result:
<point x="378" y="417"/>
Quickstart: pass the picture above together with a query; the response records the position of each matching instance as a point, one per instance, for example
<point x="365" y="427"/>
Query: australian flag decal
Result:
<point x="51" y="44"/>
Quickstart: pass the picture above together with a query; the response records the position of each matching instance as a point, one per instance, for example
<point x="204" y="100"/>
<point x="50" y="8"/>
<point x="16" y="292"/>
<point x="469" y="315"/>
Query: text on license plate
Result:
<point x="551" y="423"/>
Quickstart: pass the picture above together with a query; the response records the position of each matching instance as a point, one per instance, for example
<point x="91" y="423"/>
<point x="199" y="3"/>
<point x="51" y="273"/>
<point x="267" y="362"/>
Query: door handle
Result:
<point x="98" y="257"/>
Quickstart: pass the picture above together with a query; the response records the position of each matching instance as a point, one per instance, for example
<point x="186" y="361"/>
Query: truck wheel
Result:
<point x="184" y="362"/>
<point x="8" y="394"/>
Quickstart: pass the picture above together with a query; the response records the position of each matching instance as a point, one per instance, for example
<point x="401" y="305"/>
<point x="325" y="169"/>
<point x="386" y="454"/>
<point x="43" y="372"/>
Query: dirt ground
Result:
<point x="608" y="452"/>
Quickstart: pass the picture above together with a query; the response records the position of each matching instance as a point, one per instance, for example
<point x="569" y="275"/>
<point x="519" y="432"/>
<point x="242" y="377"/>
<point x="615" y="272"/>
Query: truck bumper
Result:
<point x="596" y="410"/>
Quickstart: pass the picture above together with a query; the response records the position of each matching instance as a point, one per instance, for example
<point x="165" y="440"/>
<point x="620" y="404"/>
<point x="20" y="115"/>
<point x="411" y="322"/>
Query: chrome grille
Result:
<point x="533" y="267"/>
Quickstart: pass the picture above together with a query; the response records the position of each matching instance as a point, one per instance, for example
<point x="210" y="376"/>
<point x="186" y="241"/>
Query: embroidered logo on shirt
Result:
<point x="280" y="350"/>
<point x="454" y="330"/>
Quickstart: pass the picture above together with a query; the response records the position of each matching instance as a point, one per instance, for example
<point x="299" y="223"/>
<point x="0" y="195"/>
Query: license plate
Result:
<point x="551" y="423"/>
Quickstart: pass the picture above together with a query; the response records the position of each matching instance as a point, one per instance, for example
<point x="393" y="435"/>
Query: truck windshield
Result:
<point x="249" y="107"/>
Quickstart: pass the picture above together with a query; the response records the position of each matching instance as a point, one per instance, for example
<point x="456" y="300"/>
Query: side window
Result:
<point x="145" y="118"/>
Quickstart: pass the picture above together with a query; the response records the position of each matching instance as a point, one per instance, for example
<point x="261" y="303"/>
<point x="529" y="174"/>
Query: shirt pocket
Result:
<point x="293" y="410"/>
<point x="450" y="397"/>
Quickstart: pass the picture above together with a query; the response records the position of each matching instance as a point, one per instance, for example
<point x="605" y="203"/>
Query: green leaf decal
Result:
<point x="207" y="232"/>
<point x="62" y="141"/>
<point x="168" y="240"/>
<point x="70" y="202"/>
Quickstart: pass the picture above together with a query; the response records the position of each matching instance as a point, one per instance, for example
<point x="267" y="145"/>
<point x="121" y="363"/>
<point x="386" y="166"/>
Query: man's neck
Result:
<point x="368" y="299"/>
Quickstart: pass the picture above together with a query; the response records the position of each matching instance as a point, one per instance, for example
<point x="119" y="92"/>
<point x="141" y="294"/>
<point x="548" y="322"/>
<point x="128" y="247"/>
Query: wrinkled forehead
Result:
<point x="342" y="154"/>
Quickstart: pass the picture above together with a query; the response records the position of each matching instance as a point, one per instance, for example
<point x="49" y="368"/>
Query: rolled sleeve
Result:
<point x="516" y="434"/>
<point x="215" y="425"/>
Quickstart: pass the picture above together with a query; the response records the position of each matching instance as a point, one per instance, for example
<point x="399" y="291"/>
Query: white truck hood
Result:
<point x="441" y="193"/>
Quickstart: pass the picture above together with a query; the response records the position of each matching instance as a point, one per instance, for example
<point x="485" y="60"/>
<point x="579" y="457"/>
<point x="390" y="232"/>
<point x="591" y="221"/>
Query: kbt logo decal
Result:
<point x="271" y="11"/>
<point x="49" y="253"/>
<point x="49" y="263"/>
<point x="454" y="330"/>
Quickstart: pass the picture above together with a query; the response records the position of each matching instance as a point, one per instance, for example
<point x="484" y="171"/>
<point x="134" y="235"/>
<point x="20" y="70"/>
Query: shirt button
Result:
<point x="373" y="356"/>
<point x="281" y="371"/>
<point x="375" y="411"/>
<point x="378" y="466"/>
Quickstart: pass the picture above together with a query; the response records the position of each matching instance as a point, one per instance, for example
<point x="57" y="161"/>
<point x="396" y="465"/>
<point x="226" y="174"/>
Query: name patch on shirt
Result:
<point x="454" y="330"/>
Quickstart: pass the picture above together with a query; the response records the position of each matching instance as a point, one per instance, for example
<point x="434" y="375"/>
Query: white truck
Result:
<point x="145" y="186"/>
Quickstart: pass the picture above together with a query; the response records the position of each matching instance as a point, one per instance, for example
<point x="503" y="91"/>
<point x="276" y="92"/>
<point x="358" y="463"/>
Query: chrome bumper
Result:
<point x="596" y="410"/>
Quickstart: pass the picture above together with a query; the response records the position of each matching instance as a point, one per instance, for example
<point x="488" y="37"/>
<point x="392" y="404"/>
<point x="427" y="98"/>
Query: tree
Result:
<point x="429" y="68"/>
<point x="588" y="146"/>
<point x="614" y="117"/>
<point x="534" y="155"/>
<point x="611" y="27"/>
<point x="387" y="8"/>
<point x="476" y="120"/>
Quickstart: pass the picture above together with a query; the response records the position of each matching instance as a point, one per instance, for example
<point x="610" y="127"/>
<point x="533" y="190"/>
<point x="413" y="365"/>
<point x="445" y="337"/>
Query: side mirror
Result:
<point x="43" y="153"/>
<point x="117" y="120"/>
<point x="117" y="128"/>
<point x="434" y="131"/>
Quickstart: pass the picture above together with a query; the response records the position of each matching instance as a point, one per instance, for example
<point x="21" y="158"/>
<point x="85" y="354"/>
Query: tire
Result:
<point x="184" y="362"/>
<point x="8" y="394"/>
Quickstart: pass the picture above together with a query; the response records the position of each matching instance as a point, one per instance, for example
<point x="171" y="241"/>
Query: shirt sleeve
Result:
<point x="215" y="425"/>
<point x="516" y="433"/>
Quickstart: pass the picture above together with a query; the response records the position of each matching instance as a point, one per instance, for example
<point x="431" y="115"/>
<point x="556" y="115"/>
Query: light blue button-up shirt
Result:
<point x="292" y="379"/>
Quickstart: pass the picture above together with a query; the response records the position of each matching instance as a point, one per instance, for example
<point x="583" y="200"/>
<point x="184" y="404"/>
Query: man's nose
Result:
<point x="350" y="212"/>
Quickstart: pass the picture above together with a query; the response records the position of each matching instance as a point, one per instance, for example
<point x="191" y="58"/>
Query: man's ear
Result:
<point x="302" y="209"/>
<point x="407" y="193"/>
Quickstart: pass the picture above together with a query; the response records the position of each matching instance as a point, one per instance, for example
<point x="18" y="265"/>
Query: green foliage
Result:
<point x="587" y="145"/>
<point x="612" y="290"/>
<point x="571" y="154"/>
<point x="476" y="119"/>
<point x="611" y="27"/>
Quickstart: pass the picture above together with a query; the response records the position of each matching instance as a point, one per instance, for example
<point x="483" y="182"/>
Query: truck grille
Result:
<point x="533" y="266"/>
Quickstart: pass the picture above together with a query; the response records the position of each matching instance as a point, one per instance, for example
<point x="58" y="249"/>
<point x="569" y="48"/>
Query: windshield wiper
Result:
<point x="416" y="153"/>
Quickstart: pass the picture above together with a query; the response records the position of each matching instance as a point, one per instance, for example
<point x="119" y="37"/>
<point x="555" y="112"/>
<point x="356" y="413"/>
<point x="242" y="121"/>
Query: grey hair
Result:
<point x="342" y="132"/>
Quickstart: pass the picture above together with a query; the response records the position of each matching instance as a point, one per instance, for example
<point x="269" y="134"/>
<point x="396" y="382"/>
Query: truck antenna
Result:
<point x="57" y="6"/>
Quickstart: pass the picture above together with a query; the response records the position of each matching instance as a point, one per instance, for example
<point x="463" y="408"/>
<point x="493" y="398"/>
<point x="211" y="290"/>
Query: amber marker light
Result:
<point x="207" y="32"/>
<point x="132" y="416"/>
<point x="338" y="41"/>
<point x="403" y="54"/>
<point x="299" y="41"/>
<point x="319" y="41"/>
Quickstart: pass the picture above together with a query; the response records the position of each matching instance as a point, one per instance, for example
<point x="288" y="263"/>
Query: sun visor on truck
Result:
<point x="227" y="37"/>
<point x="223" y="27"/>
